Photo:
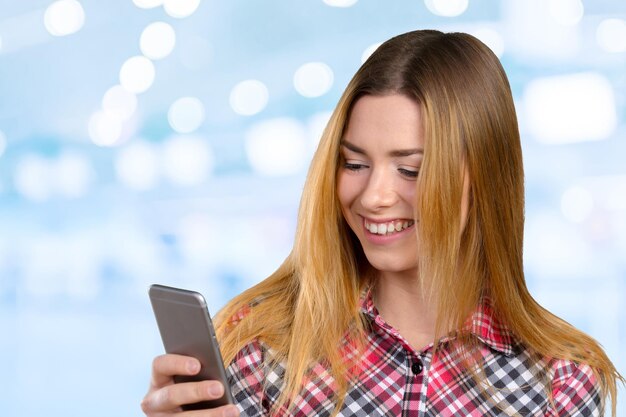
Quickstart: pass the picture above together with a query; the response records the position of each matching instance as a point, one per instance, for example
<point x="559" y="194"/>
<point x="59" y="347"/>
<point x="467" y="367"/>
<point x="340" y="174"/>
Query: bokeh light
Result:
<point x="120" y="102"/>
<point x="616" y="191"/>
<point x="369" y="51"/>
<point x="491" y="38"/>
<point x="137" y="74"/>
<point x="611" y="35"/>
<point x="73" y="174"/>
<point x="566" y="12"/>
<point x="3" y="142"/>
<point x="315" y="127"/>
<point x="180" y="8"/>
<point x="249" y="97"/>
<point x="72" y="261"/>
<point x="105" y="129"/>
<point x="277" y="147"/>
<point x="313" y="79"/>
<point x="187" y="160"/>
<point x="340" y="3"/>
<point x="570" y="108"/>
<point x="557" y="250"/>
<point x="32" y="178"/>
<point x="64" y="17"/>
<point x="157" y="40"/>
<point x="198" y="234"/>
<point x="576" y="204"/>
<point x="186" y="114"/>
<point x="447" y="8"/>
<point x="137" y="166"/>
<point x="147" y="4"/>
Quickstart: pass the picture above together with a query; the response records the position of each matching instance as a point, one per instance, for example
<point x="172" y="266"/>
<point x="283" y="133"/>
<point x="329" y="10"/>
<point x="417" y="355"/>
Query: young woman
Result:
<point x="404" y="293"/>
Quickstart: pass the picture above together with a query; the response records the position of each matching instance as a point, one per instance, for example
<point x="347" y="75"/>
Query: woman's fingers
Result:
<point x="164" y="367"/>
<point x="175" y="395"/>
<point x="165" y="398"/>
<point x="225" y="411"/>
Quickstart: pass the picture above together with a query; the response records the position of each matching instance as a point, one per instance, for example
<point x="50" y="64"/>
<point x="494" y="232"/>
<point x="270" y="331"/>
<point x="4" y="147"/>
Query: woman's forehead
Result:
<point x="390" y="121"/>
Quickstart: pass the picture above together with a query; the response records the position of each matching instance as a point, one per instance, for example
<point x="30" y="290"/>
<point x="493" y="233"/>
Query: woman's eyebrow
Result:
<point x="407" y="152"/>
<point x="394" y="153"/>
<point x="352" y="147"/>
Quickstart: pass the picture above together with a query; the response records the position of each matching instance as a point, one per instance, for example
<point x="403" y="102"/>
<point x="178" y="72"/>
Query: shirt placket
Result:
<point x="416" y="365"/>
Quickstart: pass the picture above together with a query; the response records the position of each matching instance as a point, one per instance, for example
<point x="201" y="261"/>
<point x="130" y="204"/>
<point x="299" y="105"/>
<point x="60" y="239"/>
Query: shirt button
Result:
<point x="417" y="367"/>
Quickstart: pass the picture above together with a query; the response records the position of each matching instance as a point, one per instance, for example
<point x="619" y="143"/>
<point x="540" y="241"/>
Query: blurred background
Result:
<point x="157" y="141"/>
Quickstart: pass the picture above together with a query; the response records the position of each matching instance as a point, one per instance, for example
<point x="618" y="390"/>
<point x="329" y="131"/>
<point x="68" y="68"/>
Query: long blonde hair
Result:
<point x="305" y="309"/>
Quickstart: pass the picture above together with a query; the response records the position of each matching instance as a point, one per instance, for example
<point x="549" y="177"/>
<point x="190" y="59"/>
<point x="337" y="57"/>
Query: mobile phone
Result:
<point x="186" y="329"/>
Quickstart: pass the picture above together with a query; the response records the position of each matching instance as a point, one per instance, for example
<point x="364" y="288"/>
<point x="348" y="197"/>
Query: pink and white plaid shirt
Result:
<point x="398" y="380"/>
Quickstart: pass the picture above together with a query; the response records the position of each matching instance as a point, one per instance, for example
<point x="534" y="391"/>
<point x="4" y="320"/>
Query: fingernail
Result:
<point x="216" y="390"/>
<point x="231" y="412"/>
<point x="193" y="367"/>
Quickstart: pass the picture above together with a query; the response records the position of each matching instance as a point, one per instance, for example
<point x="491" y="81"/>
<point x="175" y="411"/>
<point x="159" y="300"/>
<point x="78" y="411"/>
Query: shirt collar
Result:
<point x="482" y="323"/>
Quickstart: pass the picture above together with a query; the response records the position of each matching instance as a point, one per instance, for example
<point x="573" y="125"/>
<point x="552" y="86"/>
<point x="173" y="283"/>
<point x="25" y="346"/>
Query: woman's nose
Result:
<point x="379" y="192"/>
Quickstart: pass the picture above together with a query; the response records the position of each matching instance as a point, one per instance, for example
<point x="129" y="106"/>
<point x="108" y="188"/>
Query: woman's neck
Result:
<point x="401" y="303"/>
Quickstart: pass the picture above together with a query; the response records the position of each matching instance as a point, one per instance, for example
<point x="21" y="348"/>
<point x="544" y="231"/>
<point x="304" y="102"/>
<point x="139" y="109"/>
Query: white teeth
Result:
<point x="388" y="228"/>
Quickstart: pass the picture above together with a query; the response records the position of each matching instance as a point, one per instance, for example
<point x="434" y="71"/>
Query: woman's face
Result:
<point x="382" y="151"/>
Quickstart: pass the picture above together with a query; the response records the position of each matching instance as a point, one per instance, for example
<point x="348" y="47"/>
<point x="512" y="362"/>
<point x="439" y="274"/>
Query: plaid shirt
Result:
<point x="398" y="380"/>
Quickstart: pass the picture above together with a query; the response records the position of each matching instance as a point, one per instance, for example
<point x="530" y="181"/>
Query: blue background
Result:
<point x="82" y="235"/>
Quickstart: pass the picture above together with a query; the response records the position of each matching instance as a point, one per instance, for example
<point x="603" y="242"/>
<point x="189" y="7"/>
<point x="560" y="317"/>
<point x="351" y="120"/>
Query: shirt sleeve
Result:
<point x="246" y="375"/>
<point x="576" y="391"/>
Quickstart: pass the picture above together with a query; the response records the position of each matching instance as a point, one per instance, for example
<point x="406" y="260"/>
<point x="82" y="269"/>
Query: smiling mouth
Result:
<point x="388" y="228"/>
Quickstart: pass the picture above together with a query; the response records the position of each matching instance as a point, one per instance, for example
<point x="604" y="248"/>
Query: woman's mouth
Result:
<point x="388" y="228"/>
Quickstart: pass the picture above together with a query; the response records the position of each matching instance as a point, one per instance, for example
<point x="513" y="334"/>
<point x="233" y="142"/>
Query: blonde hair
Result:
<point x="304" y="310"/>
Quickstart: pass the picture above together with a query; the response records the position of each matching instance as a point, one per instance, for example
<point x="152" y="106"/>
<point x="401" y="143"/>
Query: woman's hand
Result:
<point x="165" y="398"/>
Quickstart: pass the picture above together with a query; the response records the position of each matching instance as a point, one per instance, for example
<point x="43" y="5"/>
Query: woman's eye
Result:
<point x="408" y="173"/>
<point x="354" y="167"/>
